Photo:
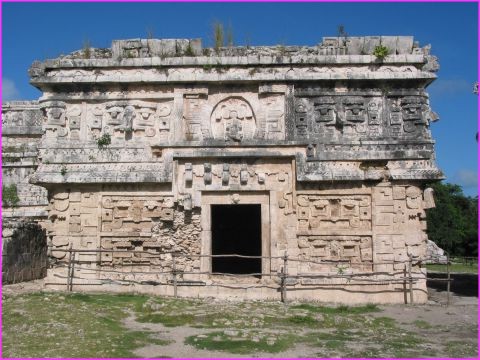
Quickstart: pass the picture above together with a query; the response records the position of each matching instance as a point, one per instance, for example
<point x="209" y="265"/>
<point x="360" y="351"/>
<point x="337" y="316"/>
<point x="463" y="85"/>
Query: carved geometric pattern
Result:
<point x="334" y="212"/>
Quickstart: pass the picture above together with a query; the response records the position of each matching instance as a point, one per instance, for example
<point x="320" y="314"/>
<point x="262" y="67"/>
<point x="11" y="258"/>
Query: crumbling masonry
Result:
<point x="147" y="147"/>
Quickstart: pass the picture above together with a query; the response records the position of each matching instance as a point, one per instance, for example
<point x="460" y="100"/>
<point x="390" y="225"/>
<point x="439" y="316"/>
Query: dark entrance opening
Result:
<point x="236" y="229"/>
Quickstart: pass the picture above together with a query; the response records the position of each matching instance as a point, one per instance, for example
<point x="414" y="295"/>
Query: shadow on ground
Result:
<point x="461" y="284"/>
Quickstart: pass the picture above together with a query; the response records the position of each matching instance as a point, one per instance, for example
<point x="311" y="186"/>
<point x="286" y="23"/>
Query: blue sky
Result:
<point x="33" y="31"/>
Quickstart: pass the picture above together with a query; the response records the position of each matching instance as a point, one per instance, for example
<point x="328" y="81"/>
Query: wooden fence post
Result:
<point x="72" y="270"/>
<point x="405" y="284"/>
<point x="284" y="275"/>
<point x="69" y="266"/>
<point x="410" y="279"/>
<point x="174" y="273"/>
<point x="448" y="279"/>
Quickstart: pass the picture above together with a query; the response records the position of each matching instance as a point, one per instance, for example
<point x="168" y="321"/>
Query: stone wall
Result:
<point x="333" y="143"/>
<point x="21" y="133"/>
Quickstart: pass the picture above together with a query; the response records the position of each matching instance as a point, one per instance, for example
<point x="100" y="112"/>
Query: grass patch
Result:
<point x="302" y="320"/>
<point x="92" y="325"/>
<point x="383" y="322"/>
<point x="461" y="268"/>
<point x="461" y="349"/>
<point x="167" y="320"/>
<point x="339" y="310"/>
<point x="74" y="325"/>
<point x="221" y="342"/>
<point x="422" y="324"/>
<point x="404" y="346"/>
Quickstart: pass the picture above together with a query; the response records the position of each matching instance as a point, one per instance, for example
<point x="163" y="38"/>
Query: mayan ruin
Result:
<point x="145" y="162"/>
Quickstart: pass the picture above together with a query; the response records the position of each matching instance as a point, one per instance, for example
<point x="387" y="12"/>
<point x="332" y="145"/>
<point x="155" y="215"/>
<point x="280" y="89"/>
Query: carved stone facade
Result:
<point x="333" y="146"/>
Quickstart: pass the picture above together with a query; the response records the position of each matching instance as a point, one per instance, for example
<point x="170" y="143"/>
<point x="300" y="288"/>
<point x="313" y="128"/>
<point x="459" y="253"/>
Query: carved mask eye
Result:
<point x="56" y="113"/>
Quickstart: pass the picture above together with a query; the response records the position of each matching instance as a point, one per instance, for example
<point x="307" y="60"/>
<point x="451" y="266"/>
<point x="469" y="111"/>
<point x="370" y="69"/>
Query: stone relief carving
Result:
<point x="399" y="208"/>
<point x="133" y="214"/>
<point x="142" y="118"/>
<point x="318" y="212"/>
<point x="355" y="113"/>
<point x="412" y="111"/>
<point x="21" y="118"/>
<point x="271" y="123"/>
<point x="336" y="248"/>
<point x="146" y="223"/>
<point x="301" y="122"/>
<point x="374" y="111"/>
<point x="55" y="119"/>
<point x="233" y="119"/>
<point x="226" y="174"/>
<point x="361" y="115"/>
<point x="325" y="115"/>
<point x="194" y="116"/>
<point x="207" y="173"/>
<point x="55" y="112"/>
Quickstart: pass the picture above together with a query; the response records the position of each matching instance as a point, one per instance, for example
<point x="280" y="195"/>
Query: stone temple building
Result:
<point x="158" y="155"/>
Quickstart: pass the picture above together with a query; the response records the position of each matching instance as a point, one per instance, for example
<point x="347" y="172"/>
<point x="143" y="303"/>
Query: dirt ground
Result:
<point x="455" y="325"/>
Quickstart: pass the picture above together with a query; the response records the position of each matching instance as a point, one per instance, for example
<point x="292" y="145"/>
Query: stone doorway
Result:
<point x="236" y="229"/>
<point x="229" y="200"/>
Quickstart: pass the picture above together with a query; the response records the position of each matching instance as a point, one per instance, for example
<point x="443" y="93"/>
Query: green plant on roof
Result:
<point x="380" y="52"/>
<point x="104" y="141"/>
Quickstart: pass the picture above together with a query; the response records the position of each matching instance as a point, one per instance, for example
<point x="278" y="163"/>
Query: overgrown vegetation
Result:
<point x="380" y="52"/>
<point x="10" y="195"/>
<point x="218" y="35"/>
<point x="189" y="50"/>
<point x="87" y="49"/>
<point x="103" y="141"/>
<point x="63" y="170"/>
<point x="453" y="223"/>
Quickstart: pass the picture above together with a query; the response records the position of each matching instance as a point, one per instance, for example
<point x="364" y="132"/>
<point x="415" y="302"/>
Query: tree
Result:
<point x="453" y="223"/>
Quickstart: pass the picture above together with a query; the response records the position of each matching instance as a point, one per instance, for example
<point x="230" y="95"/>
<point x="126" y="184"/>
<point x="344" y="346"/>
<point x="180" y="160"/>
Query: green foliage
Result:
<point x="87" y="49"/>
<point x="33" y="324"/>
<point x="340" y="310"/>
<point x="221" y="342"/>
<point x="9" y="195"/>
<point x="471" y="268"/>
<point x="302" y="320"/>
<point x="453" y="223"/>
<point x="282" y="50"/>
<point x="218" y="35"/>
<point x="104" y="141"/>
<point x="189" y="50"/>
<point x="380" y="52"/>
<point x="63" y="170"/>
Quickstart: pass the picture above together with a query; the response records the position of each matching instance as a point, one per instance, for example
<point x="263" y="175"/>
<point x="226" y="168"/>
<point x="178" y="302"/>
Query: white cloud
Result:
<point x="466" y="178"/>
<point x="9" y="90"/>
<point x="451" y="87"/>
